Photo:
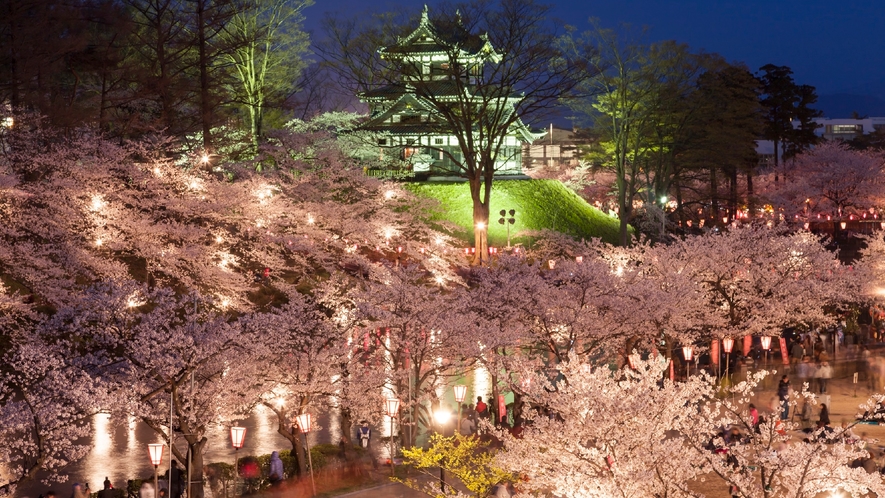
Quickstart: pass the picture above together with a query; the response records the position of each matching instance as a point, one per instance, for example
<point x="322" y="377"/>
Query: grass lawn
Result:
<point x="539" y="204"/>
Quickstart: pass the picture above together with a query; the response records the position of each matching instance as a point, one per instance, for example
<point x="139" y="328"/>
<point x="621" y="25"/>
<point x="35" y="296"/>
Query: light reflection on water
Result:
<point x="119" y="447"/>
<point x="119" y="452"/>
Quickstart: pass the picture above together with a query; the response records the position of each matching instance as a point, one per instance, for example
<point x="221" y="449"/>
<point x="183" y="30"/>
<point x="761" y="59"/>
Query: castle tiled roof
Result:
<point x="441" y="37"/>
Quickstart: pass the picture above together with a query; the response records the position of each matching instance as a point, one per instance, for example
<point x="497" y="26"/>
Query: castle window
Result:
<point x="382" y="141"/>
<point x="437" y="141"/>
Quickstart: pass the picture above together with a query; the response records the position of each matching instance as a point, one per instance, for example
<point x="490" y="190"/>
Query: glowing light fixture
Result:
<point x="460" y="393"/>
<point x="237" y="436"/>
<point x="766" y="342"/>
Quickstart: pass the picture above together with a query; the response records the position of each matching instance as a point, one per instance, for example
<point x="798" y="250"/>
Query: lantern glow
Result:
<point x="237" y="436"/>
<point x="766" y="342"/>
<point x="460" y="393"/>
<point x="155" y="450"/>
<point x="391" y="405"/>
<point x="303" y="421"/>
<point x="687" y="353"/>
<point x="727" y="344"/>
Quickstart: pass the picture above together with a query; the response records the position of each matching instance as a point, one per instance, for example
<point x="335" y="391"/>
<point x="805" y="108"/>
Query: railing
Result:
<point x="389" y="173"/>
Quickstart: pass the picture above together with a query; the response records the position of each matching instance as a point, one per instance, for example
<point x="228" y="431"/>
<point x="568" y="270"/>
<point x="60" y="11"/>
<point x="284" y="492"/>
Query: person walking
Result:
<point x="797" y="352"/>
<point x="174" y="479"/>
<point x="783" y="394"/>
<point x="107" y="491"/>
<point x="468" y="426"/>
<point x="482" y="409"/>
<point x="805" y="415"/>
<point x="824" y="374"/>
<point x="805" y="371"/>
<point x="275" y="475"/>
<point x="78" y="491"/>
<point x="365" y="434"/>
<point x="146" y="490"/>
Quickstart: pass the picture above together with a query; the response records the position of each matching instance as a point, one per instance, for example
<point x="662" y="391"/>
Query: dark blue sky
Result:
<point x="837" y="46"/>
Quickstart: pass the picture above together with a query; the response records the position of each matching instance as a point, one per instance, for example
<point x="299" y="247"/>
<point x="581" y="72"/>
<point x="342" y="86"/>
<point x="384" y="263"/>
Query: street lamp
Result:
<point x="303" y="421"/>
<point x="155" y="450"/>
<point x="507" y="222"/>
<point x="727" y="346"/>
<point x="460" y="395"/>
<point x="766" y="345"/>
<point x="442" y="417"/>
<point x="687" y="354"/>
<point x="391" y="405"/>
<point x="237" y="437"/>
<point x="663" y="215"/>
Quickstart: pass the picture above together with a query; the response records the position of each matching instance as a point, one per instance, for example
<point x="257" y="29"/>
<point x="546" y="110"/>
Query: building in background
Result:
<point x="848" y="129"/>
<point x="559" y="148"/>
<point x="404" y="118"/>
<point x="845" y="129"/>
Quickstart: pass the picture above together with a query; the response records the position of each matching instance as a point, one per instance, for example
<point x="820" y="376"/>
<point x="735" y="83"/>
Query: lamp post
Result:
<point x="663" y="216"/>
<point x="237" y="437"/>
<point x="727" y="346"/>
<point x="304" y="424"/>
<point x="507" y="222"/>
<point x="391" y="405"/>
<point x="441" y="416"/>
<point x="687" y="354"/>
<point x="155" y="450"/>
<point x="460" y="395"/>
<point x="766" y="345"/>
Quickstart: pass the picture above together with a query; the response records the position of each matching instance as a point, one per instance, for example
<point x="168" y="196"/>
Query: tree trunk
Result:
<point x="345" y="423"/>
<point x="677" y="187"/>
<point x="776" y="161"/>
<point x="714" y="194"/>
<point x="196" y="475"/>
<point x="480" y="219"/>
<point x="205" y="108"/>
<point x="285" y="429"/>
<point x="733" y="200"/>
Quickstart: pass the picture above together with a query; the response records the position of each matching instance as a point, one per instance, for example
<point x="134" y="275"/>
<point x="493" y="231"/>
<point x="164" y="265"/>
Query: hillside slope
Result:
<point x="539" y="205"/>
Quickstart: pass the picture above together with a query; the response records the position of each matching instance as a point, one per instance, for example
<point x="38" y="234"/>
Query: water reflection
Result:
<point x="119" y="446"/>
<point x="119" y="451"/>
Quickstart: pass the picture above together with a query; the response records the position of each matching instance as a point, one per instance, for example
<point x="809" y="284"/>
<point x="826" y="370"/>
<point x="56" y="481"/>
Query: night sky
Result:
<point x="837" y="46"/>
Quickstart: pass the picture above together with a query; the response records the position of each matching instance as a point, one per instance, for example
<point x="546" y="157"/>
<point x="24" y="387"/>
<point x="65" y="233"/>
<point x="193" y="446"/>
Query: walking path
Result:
<point x="390" y="490"/>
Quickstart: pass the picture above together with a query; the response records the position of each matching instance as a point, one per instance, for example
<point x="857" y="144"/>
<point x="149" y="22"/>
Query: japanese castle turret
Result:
<point x="405" y="113"/>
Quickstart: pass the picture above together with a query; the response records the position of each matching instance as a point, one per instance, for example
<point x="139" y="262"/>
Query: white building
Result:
<point x="830" y="129"/>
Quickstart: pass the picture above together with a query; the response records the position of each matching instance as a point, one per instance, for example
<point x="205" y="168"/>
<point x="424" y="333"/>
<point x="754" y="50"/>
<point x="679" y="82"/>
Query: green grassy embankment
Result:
<point x="539" y="205"/>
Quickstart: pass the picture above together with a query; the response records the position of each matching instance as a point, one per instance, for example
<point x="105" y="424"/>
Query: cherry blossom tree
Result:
<point x="315" y="368"/>
<point x="168" y="359"/>
<point x="413" y="338"/>
<point x="830" y="181"/>
<point x="759" y="280"/>
<point x="46" y="404"/>
<point x="872" y="266"/>
<point x="598" y="432"/>
<point x="769" y="460"/>
<point x="109" y="236"/>
<point x="601" y="432"/>
<point x="86" y="209"/>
